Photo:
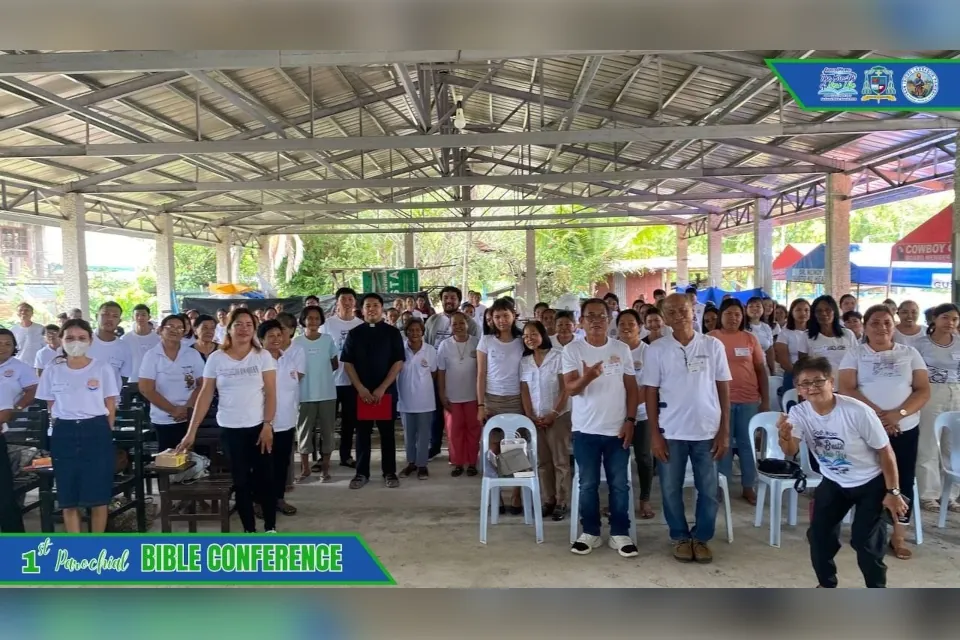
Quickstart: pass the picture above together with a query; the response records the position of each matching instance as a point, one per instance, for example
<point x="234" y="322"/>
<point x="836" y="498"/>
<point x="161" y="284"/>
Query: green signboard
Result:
<point x="391" y="281"/>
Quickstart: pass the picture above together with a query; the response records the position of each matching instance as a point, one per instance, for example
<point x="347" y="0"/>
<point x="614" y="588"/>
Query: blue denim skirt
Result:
<point x="83" y="462"/>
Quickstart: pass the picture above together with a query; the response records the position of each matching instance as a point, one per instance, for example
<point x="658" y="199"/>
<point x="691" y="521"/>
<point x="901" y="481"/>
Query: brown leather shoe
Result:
<point x="701" y="552"/>
<point x="683" y="551"/>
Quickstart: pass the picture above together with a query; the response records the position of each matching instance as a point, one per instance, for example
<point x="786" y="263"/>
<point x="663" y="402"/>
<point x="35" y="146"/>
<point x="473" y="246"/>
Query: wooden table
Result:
<point x="216" y="490"/>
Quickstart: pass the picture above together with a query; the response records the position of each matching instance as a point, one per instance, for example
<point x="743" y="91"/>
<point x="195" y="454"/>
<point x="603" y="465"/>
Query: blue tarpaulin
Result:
<point x="715" y="295"/>
<point x="870" y="265"/>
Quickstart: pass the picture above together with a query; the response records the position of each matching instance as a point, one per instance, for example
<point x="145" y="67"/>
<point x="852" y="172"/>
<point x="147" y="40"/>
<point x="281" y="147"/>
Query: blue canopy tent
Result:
<point x="715" y="295"/>
<point x="870" y="265"/>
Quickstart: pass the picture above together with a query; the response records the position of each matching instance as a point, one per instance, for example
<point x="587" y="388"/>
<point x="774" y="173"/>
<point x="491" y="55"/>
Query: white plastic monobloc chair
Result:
<point x="917" y="520"/>
<point x="767" y="422"/>
<point x="774" y="383"/>
<point x="948" y="421"/>
<point x="490" y="488"/>
<point x="790" y="398"/>
<point x="689" y="482"/>
<point x="575" y="501"/>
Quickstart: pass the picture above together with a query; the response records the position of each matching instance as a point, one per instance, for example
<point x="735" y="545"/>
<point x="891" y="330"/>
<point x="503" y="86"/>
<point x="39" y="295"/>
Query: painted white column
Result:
<point x="164" y="263"/>
<point x="762" y="245"/>
<point x="225" y="256"/>
<point x="714" y="255"/>
<point x="531" y="270"/>
<point x="73" y="229"/>
<point x="836" y="280"/>
<point x="683" y="262"/>
<point x="409" y="252"/>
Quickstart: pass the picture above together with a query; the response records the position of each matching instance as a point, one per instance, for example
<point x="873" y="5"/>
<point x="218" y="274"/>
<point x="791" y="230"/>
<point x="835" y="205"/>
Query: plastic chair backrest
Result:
<point x="790" y="398"/>
<point x="767" y="422"/>
<point x="510" y="424"/>
<point x="775" y="382"/>
<point x="950" y="420"/>
<point x="805" y="460"/>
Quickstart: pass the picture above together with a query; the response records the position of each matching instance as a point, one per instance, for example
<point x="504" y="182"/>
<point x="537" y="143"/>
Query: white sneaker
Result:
<point x="270" y="531"/>
<point x="624" y="546"/>
<point x="585" y="544"/>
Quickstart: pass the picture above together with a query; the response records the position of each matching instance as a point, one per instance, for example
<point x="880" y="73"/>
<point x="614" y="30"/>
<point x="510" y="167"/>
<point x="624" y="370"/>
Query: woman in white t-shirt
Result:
<point x="628" y="328"/>
<point x="941" y="353"/>
<point x="544" y="399"/>
<point x="891" y="379"/>
<point x="498" y="374"/>
<point x="908" y="331"/>
<point x="81" y="394"/>
<point x="290" y="371"/>
<point x="416" y="401"/>
<point x="457" y="387"/>
<point x="170" y="381"/>
<point x="826" y="336"/>
<point x="761" y="330"/>
<point x="793" y="335"/>
<point x="566" y="327"/>
<point x="244" y="377"/>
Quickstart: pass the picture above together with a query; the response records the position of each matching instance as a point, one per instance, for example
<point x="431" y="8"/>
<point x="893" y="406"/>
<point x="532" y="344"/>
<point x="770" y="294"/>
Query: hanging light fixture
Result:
<point x="459" y="119"/>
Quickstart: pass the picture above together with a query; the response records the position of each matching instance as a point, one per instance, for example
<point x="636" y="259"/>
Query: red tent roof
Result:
<point x="930" y="242"/>
<point x="790" y="255"/>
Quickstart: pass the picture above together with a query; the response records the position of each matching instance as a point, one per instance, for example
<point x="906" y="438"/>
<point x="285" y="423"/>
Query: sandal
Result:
<point x="953" y="507"/>
<point x="286" y="509"/>
<point x="646" y="511"/>
<point x="899" y="550"/>
<point x="930" y="505"/>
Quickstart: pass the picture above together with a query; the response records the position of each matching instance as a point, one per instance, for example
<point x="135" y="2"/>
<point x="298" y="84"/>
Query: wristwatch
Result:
<point x="903" y="412"/>
<point x="630" y="420"/>
<point x="894" y="492"/>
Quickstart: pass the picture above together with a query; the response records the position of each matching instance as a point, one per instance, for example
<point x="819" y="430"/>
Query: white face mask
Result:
<point x="75" y="349"/>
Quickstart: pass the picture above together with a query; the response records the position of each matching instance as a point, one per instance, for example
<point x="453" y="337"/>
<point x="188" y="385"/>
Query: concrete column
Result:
<point x="683" y="270"/>
<point x="836" y="278"/>
<point x="409" y="255"/>
<point x="225" y="257"/>
<point x="164" y="265"/>
<point x="955" y="248"/>
<point x="73" y="229"/>
<point x="714" y="256"/>
<point x="531" y="270"/>
<point x="762" y="245"/>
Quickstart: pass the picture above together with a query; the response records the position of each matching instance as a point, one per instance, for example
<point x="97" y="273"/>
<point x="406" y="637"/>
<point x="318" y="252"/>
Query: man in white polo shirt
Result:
<point x="691" y="421"/>
<point x="859" y="470"/>
<point x="599" y="376"/>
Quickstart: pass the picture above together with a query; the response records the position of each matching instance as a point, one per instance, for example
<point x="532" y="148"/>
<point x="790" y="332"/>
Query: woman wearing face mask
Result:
<point x="941" y="353"/>
<point x="498" y="374"/>
<point x="416" y="401"/>
<point x="457" y="384"/>
<point x="791" y="339"/>
<point x="826" y="337"/>
<point x="544" y="399"/>
<point x="749" y="392"/>
<point x="18" y="386"/>
<point x="761" y="330"/>
<point x="244" y="375"/>
<point x="711" y="319"/>
<point x="628" y="329"/>
<point x="908" y="332"/>
<point x="565" y="329"/>
<point x="290" y="369"/>
<point x="81" y="394"/>
<point x="892" y="380"/>
<point x="170" y="381"/>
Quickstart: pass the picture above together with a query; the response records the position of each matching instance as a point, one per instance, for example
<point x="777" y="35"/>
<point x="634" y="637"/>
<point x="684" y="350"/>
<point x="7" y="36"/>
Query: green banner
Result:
<point x="391" y="281"/>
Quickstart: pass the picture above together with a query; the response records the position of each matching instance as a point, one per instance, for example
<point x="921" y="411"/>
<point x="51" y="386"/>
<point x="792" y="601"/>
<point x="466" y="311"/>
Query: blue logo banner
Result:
<point x="871" y="85"/>
<point x="201" y="559"/>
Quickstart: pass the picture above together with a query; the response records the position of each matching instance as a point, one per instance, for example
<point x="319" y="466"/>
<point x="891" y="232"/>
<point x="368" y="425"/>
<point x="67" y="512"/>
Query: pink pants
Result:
<point x="463" y="433"/>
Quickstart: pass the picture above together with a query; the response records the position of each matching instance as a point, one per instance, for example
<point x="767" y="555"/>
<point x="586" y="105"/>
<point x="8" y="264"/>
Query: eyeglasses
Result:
<point x="816" y="384"/>
<point x="595" y="317"/>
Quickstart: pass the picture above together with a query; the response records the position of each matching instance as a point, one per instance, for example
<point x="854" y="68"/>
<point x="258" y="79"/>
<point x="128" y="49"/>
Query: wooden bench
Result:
<point x="217" y="490"/>
<point x="27" y="429"/>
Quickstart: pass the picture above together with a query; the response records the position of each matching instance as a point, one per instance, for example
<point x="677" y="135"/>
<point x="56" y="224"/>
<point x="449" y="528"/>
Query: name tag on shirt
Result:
<point x="694" y="366"/>
<point x="613" y="369"/>
<point x="741" y="352"/>
<point x="885" y="369"/>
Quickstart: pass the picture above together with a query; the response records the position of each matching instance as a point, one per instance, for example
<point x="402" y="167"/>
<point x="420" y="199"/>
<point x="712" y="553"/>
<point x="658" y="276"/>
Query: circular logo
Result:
<point x="424" y="363"/>
<point x="8" y="373"/>
<point x="920" y="85"/>
<point x="93" y="384"/>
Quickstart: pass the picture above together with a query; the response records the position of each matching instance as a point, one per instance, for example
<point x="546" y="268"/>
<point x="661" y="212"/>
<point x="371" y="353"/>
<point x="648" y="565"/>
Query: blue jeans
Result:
<point x="416" y="436"/>
<point x="705" y="480"/>
<point x="740" y="416"/>
<point x="590" y="451"/>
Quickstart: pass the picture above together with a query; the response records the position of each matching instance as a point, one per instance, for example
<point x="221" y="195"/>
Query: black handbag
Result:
<point x="784" y="469"/>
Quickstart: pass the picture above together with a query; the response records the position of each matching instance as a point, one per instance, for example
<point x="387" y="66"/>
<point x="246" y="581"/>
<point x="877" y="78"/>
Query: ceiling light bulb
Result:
<point x="460" y="120"/>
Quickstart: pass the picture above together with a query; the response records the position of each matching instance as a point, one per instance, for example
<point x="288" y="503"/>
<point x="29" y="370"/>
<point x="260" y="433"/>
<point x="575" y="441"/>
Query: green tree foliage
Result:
<point x="126" y="293"/>
<point x="195" y="267"/>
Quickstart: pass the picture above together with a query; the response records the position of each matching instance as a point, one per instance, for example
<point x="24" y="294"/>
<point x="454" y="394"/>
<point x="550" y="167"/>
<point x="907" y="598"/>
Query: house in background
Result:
<point x="21" y="251"/>
<point x="629" y="279"/>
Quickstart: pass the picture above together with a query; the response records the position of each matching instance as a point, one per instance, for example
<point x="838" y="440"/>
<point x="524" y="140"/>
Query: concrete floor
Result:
<point x="427" y="535"/>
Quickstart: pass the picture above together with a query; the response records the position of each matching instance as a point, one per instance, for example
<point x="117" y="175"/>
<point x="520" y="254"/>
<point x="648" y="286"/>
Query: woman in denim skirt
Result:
<point x="81" y="394"/>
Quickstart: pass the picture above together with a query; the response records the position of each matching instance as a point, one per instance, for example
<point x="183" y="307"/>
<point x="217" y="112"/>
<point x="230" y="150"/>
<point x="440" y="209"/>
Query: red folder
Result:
<point x="380" y="411"/>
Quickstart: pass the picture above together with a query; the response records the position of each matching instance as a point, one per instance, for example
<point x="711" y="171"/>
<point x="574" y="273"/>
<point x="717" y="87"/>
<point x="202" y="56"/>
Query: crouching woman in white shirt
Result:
<point x="81" y="394"/>
<point x="891" y="379"/>
<point x="291" y="367"/>
<point x="859" y="470"/>
<point x="244" y="377"/>
<point x="416" y="401"/>
<point x="544" y="398"/>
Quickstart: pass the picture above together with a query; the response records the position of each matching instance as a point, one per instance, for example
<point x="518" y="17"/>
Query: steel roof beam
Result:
<point x="330" y="221"/>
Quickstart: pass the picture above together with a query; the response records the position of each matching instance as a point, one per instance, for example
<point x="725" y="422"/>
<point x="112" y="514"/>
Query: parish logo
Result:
<point x="93" y="384"/>
<point x="424" y="363"/>
<point x="878" y="85"/>
<point x="838" y="84"/>
<point x="920" y="85"/>
<point x="8" y="373"/>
